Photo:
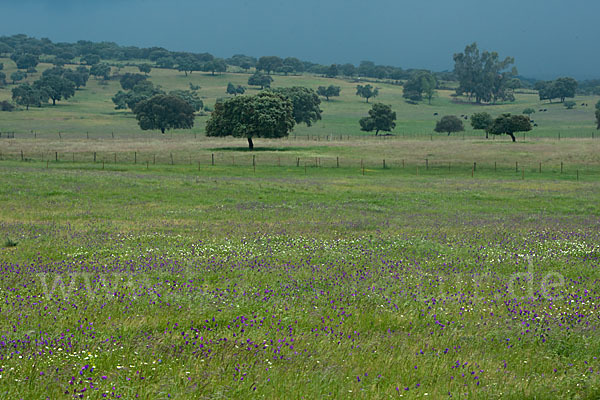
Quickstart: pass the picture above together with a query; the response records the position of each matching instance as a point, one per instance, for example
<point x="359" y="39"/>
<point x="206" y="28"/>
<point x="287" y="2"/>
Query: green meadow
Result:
<point x="91" y="109"/>
<point x="335" y="265"/>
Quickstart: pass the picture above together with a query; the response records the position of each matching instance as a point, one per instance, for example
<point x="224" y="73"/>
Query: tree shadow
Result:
<point x="246" y="149"/>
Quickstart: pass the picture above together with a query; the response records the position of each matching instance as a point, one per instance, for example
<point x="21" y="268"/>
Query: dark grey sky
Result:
<point x="548" y="38"/>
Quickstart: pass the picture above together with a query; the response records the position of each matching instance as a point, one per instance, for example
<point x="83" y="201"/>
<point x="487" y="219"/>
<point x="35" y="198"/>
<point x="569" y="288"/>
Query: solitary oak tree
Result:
<point x="482" y="120"/>
<point x="449" y="124"/>
<point x="329" y="91"/>
<point x="510" y="124"/>
<point x="164" y="112"/>
<point x="267" y="115"/>
<point x="381" y="118"/>
<point x="366" y="91"/>
<point x="260" y="79"/>
<point x="56" y="87"/>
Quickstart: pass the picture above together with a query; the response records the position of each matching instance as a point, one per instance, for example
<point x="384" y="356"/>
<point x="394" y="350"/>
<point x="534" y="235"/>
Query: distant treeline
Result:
<point x="92" y="53"/>
<point x="28" y="51"/>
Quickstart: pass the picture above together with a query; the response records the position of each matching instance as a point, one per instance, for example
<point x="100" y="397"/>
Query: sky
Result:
<point x="547" y="38"/>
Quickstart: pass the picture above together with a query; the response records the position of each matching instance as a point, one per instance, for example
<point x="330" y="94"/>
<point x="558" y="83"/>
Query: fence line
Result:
<point x="333" y="137"/>
<point x="254" y="161"/>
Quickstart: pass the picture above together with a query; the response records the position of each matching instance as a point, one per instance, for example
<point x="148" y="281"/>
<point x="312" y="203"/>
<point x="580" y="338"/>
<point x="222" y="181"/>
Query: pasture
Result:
<point x="178" y="266"/>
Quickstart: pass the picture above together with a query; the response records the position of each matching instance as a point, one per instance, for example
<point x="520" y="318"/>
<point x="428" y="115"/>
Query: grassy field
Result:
<point x="174" y="282"/>
<point x="132" y="267"/>
<point x="92" y="112"/>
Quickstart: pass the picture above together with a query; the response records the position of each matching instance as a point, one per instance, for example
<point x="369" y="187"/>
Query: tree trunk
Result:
<point x="512" y="137"/>
<point x="53" y="102"/>
<point x="250" y="144"/>
<point x="376" y="132"/>
<point x="162" y="130"/>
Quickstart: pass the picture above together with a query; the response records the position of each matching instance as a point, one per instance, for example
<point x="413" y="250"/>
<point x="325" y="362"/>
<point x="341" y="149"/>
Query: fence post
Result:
<point x="56" y="156"/>
<point x="561" y="167"/>
<point x="115" y="157"/>
<point x="384" y="163"/>
<point x="474" y="166"/>
<point x="516" y="166"/>
<point x="147" y="164"/>
<point x="540" y="167"/>
<point x="172" y="162"/>
<point x="21" y="155"/>
<point x="212" y="158"/>
<point x="135" y="157"/>
<point x="494" y="166"/>
<point x="254" y="160"/>
<point x="94" y="157"/>
<point x="426" y="163"/>
<point x="297" y="161"/>
<point x="577" y="174"/>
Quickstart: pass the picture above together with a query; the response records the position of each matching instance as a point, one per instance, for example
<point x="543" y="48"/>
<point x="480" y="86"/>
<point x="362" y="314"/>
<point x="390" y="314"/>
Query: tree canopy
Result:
<point x="266" y="114"/>
<point x="449" y="124"/>
<point x="560" y="88"/>
<point x="145" y="68"/>
<point x="269" y="64"/>
<point x="419" y="84"/>
<point x="100" y="70"/>
<point x="26" y="95"/>
<point x="235" y="90"/>
<point x="381" y="118"/>
<point x="483" y="75"/>
<point x="329" y="91"/>
<point x="260" y="79"/>
<point x="305" y="103"/>
<point x="129" y="99"/>
<point x="483" y="121"/>
<point x="163" y="112"/>
<point x="56" y="87"/>
<point x="189" y="97"/>
<point x="128" y="81"/>
<point x="367" y="91"/>
<point x="26" y="61"/>
<point x="17" y="76"/>
<point x="510" y="124"/>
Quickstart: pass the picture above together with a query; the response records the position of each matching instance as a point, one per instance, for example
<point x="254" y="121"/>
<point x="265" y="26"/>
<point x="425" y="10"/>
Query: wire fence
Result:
<point x="109" y="160"/>
<point x="333" y="137"/>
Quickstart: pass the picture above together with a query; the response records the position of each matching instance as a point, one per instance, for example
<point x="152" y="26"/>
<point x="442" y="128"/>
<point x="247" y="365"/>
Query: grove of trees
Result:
<point x="560" y="88"/>
<point x="483" y="76"/>
<point x="421" y="83"/>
